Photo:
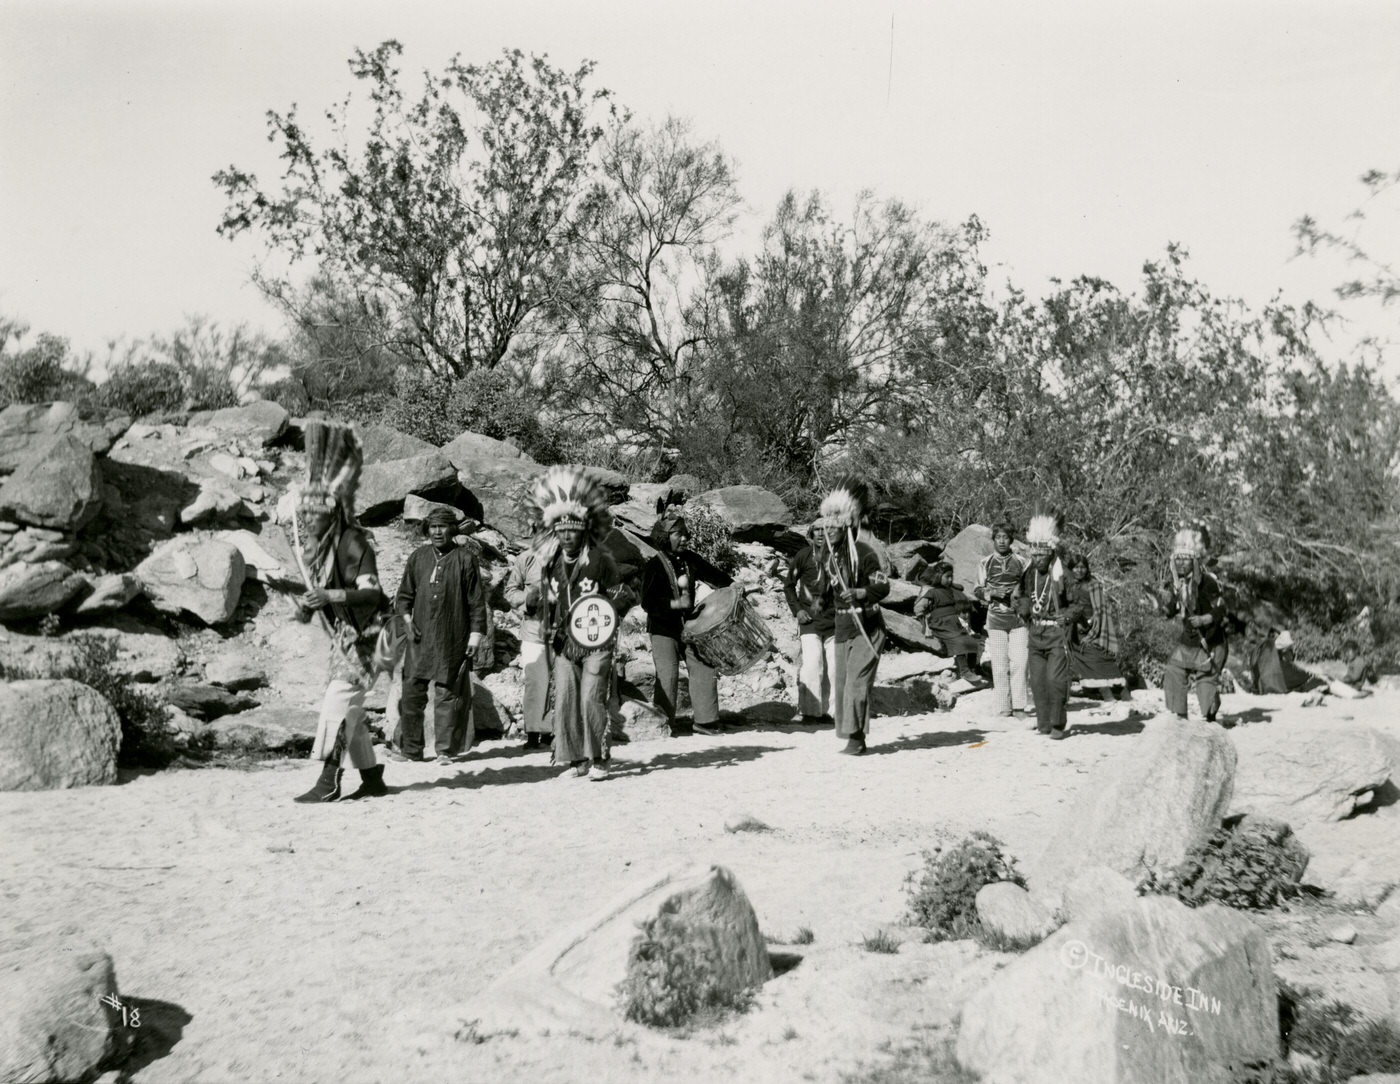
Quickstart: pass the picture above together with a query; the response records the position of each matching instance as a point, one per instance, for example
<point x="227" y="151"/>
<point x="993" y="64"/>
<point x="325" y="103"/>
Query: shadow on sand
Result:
<point x="705" y="756"/>
<point x="162" y="1026"/>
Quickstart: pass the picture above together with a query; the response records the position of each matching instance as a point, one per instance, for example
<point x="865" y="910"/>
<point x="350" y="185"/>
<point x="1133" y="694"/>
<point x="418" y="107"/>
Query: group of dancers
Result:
<point x="1044" y="620"/>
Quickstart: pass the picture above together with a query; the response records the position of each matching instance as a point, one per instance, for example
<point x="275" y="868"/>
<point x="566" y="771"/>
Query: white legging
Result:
<point x="346" y="702"/>
<point x="1009" y="653"/>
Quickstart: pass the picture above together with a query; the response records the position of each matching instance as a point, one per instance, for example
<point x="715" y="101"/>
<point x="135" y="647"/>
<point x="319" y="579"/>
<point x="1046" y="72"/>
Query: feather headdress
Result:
<point x="572" y="497"/>
<point x="1192" y="540"/>
<point x="333" y="463"/>
<point x="1043" y="532"/>
<point x="846" y="504"/>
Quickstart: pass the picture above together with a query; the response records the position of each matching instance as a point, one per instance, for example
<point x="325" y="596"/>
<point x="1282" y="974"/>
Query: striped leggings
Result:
<point x="1009" y="653"/>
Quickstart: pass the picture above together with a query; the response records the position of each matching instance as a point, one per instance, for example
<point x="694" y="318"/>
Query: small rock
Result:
<point x="1008" y="909"/>
<point x="110" y="593"/>
<point x="33" y="590"/>
<point x="1346" y="934"/>
<point x="234" y="671"/>
<point x="744" y="822"/>
<point x="206" y="701"/>
<point x="200" y="576"/>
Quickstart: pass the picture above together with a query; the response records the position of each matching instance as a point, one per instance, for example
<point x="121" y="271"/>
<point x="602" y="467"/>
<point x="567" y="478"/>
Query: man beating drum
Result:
<point x="668" y="596"/>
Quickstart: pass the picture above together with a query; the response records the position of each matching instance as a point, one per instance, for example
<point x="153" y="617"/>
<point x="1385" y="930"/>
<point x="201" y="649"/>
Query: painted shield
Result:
<point x="592" y="622"/>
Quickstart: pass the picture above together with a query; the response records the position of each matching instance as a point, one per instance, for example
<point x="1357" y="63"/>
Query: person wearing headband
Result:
<point x="1049" y="615"/>
<point x="669" y="580"/>
<point x="998" y="587"/>
<point x="441" y="593"/>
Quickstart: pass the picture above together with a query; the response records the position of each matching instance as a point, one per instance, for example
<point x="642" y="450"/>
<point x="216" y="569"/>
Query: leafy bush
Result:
<point x="711" y="537"/>
<point x="1147" y="640"/>
<point x="944" y="898"/>
<point x="1341" y="1043"/>
<point x="671" y="970"/>
<point x="147" y="741"/>
<point x="41" y="373"/>
<point x="486" y="402"/>
<point x="145" y="387"/>
<point x="1249" y="863"/>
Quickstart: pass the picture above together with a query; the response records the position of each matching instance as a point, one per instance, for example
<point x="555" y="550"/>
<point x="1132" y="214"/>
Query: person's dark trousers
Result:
<point x="1049" y="677"/>
<point x="666" y="653"/>
<point x="450" y="716"/>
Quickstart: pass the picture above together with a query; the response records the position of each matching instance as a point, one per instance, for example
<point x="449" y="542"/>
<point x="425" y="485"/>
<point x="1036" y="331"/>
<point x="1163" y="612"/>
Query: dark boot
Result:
<point x="966" y="670"/>
<point x="371" y="784"/>
<point x="327" y="788"/>
<point x="855" y="746"/>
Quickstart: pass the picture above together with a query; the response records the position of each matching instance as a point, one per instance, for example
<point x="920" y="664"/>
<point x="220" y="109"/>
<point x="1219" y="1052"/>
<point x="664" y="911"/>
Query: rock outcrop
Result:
<point x="384" y="485"/>
<point x="22" y="425"/>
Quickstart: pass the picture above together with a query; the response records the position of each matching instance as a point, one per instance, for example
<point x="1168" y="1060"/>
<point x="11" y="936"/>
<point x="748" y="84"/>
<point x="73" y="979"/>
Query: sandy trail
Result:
<point x="334" y="943"/>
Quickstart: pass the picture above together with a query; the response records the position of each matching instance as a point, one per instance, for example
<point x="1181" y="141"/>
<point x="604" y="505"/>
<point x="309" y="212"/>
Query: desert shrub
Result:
<point x="671" y="969"/>
<point x="150" y="387"/>
<point x="1319" y="643"/>
<point x="922" y="1061"/>
<point x="999" y="941"/>
<point x="943" y="899"/>
<point x="1245" y="863"/>
<point x="488" y="402"/>
<point x="1342" y="1043"/>
<point x="711" y="537"/>
<point x="41" y="373"/>
<point x="147" y="741"/>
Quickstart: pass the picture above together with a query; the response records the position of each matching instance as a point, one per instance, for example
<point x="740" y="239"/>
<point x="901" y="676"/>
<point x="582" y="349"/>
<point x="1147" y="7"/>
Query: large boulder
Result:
<point x="260" y="423"/>
<point x="1142" y="811"/>
<point x="911" y="557"/>
<point x="57" y="485"/>
<point x="497" y="490"/>
<point x="469" y="446"/>
<point x="570" y="981"/>
<point x="908" y="632"/>
<point x="384" y="485"/>
<point x="56" y="734"/>
<point x="638" y="511"/>
<point x="33" y="590"/>
<point x="23" y="425"/>
<point x="1150" y="993"/>
<point x="195" y="575"/>
<point x="62" y="1018"/>
<point x="752" y="512"/>
<point x="1304" y="771"/>
<point x="234" y="669"/>
<point x="381" y="443"/>
<point x="965" y="553"/>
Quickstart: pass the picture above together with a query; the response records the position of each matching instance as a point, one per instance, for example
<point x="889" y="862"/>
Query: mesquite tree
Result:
<point x="452" y="211"/>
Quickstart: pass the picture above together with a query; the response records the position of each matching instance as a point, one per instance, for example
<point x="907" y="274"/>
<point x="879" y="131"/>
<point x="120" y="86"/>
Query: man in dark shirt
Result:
<point x="1203" y="644"/>
<point x="571" y="503"/>
<point x="811" y="601"/>
<point x="1045" y="607"/>
<point x="668" y="597"/>
<point x="442" y="594"/>
<point x="853" y="572"/>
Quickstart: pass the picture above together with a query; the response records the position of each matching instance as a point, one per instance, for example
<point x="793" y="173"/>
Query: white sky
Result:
<point x="1085" y="136"/>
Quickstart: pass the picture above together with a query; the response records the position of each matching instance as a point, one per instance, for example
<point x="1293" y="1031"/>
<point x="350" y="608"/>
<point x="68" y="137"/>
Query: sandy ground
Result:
<point x="270" y="941"/>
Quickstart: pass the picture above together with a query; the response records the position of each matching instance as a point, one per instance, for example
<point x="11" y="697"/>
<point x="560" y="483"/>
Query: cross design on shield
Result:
<point x="593" y="621"/>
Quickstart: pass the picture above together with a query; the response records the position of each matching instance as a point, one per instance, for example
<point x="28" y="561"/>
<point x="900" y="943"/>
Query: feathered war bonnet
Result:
<point x="1043" y="532"/>
<point x="333" y="463"/>
<point x="846" y="504"/>
<point x="668" y="518"/>
<point x="1191" y="540"/>
<point x="565" y="497"/>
